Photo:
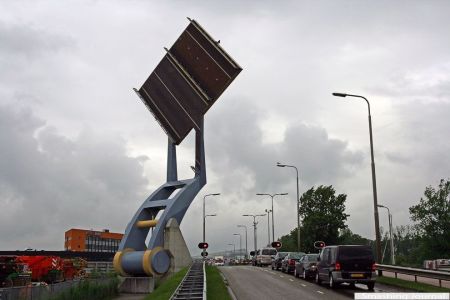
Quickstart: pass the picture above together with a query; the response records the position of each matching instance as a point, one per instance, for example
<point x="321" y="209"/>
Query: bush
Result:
<point x="90" y="290"/>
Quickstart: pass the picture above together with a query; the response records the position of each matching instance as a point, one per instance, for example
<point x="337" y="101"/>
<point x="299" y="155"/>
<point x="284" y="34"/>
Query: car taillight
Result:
<point x="292" y="262"/>
<point x="374" y="267"/>
<point x="337" y="266"/>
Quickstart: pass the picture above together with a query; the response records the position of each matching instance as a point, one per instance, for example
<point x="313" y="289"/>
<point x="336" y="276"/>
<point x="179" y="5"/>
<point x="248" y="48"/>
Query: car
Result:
<point x="288" y="262"/>
<point x="306" y="266"/>
<point x="276" y="262"/>
<point x="265" y="255"/>
<point x="346" y="263"/>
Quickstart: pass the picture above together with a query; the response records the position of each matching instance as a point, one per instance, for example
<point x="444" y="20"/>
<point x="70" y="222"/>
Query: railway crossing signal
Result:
<point x="276" y="244"/>
<point x="319" y="244"/>
<point x="204" y="254"/>
<point x="203" y="245"/>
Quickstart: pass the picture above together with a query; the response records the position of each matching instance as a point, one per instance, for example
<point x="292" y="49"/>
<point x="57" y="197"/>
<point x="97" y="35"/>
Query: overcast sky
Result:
<point x="78" y="149"/>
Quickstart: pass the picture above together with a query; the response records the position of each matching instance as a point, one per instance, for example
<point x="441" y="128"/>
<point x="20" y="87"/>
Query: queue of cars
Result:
<point x="334" y="265"/>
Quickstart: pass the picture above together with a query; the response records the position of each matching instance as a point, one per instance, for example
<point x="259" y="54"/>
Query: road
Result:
<point x="249" y="283"/>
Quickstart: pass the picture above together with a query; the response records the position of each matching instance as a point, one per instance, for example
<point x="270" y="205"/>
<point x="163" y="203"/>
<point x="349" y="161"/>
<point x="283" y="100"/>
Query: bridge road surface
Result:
<point x="251" y="283"/>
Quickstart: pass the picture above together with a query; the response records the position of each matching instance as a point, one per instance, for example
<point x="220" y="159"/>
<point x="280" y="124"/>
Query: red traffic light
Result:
<point x="203" y="245"/>
<point x="276" y="244"/>
<point x="319" y="244"/>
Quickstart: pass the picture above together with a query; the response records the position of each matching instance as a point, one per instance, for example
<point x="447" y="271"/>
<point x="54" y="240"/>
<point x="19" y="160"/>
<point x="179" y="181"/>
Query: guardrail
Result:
<point x="439" y="275"/>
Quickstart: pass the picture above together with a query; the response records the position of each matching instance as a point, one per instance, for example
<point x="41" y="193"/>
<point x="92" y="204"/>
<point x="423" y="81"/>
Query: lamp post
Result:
<point x="234" y="250"/>
<point x="298" y="204"/>
<point x="254" y="229"/>
<point x="268" y="211"/>
<point x="273" y="221"/>
<point x="374" y="180"/>
<point x="240" y="243"/>
<point x="204" y="217"/>
<point x="246" y="250"/>
<point x="390" y="233"/>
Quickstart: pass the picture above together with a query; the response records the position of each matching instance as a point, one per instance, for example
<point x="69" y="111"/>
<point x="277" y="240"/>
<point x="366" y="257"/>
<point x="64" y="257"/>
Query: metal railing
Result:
<point x="439" y="275"/>
<point x="193" y="285"/>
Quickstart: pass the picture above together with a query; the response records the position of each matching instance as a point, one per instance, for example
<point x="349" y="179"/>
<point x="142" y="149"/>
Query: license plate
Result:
<point x="357" y="275"/>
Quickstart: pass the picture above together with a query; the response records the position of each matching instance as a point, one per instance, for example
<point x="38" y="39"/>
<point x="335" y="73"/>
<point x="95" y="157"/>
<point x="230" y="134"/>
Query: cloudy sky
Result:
<point x="79" y="149"/>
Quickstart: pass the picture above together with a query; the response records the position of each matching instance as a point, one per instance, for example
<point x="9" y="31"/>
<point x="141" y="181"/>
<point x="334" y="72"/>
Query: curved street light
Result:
<point x="273" y="221"/>
<point x="374" y="180"/>
<point x="246" y="250"/>
<point x="298" y="204"/>
<point x="254" y="228"/>
<point x="204" y="217"/>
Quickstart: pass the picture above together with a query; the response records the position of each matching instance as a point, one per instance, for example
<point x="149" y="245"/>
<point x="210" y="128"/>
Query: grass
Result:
<point x="216" y="288"/>
<point x="415" y="286"/>
<point x="164" y="290"/>
<point x="90" y="290"/>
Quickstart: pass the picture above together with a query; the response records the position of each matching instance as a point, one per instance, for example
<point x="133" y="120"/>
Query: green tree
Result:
<point x="323" y="215"/>
<point x="432" y="217"/>
<point x="347" y="237"/>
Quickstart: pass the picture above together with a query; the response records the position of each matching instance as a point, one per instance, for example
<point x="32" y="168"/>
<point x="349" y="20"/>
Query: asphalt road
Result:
<point x="250" y="283"/>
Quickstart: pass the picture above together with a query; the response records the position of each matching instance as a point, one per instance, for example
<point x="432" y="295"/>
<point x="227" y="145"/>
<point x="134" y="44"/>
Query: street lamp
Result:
<point x="234" y="250"/>
<point x="246" y="250"/>
<point x="273" y="222"/>
<point x="204" y="217"/>
<point x="390" y="233"/>
<point x="254" y="228"/>
<point x="298" y="204"/>
<point x="240" y="243"/>
<point x="374" y="180"/>
<point x="268" y="211"/>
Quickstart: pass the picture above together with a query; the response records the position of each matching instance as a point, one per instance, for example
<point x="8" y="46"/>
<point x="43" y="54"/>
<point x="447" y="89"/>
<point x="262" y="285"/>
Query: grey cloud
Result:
<point x="237" y="151"/>
<point x="50" y="183"/>
<point x="20" y="40"/>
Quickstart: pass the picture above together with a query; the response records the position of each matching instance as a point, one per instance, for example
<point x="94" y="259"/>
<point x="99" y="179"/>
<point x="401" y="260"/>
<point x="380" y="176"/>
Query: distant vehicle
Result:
<point x="350" y="263"/>
<point x="218" y="261"/>
<point x="265" y="255"/>
<point x="276" y="262"/>
<point x="288" y="262"/>
<point x="306" y="267"/>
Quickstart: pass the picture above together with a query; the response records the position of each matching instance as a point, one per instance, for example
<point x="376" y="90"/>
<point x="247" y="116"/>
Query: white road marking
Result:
<point x="303" y="284"/>
<point x="266" y="270"/>
<point x="281" y="276"/>
<point x="320" y="292"/>
<point x="291" y="280"/>
<point x="272" y="273"/>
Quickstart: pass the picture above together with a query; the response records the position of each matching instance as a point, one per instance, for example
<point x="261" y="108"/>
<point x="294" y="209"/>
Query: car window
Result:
<point x="311" y="257"/>
<point x="326" y="255"/>
<point x="352" y="253"/>
<point x="296" y="255"/>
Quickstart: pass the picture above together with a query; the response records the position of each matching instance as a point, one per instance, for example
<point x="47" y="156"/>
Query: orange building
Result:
<point x="92" y="241"/>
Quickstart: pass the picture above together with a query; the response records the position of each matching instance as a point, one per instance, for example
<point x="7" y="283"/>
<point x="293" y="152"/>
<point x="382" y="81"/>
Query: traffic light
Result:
<point x="319" y="244"/>
<point x="204" y="254"/>
<point x="276" y="244"/>
<point x="203" y="245"/>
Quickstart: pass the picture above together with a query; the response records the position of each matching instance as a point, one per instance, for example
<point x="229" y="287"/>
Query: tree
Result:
<point x="432" y="217"/>
<point x="323" y="215"/>
<point x="347" y="237"/>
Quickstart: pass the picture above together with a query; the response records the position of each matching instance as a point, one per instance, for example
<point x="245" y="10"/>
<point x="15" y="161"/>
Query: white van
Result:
<point x="265" y="256"/>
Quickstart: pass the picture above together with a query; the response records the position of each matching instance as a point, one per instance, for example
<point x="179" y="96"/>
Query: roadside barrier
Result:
<point x="439" y="275"/>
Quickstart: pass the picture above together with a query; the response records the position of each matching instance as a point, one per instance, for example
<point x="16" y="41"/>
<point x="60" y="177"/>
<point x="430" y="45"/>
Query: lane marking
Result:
<point x="281" y="276"/>
<point x="320" y="292"/>
<point x="304" y="285"/>
<point x="272" y="273"/>
<point x="291" y="280"/>
<point x="266" y="270"/>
